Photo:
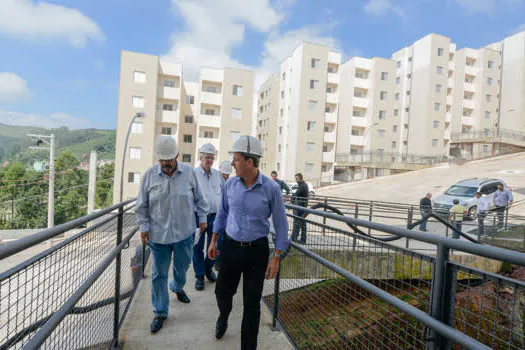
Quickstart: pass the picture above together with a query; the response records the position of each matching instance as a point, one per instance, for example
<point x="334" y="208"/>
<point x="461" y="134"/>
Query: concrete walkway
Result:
<point x="192" y="326"/>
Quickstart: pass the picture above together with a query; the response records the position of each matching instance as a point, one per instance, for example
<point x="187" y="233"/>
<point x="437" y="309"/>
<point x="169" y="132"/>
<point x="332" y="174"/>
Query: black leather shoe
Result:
<point x="156" y="325"/>
<point x="211" y="276"/>
<point x="183" y="298"/>
<point x="199" y="283"/>
<point x="220" y="327"/>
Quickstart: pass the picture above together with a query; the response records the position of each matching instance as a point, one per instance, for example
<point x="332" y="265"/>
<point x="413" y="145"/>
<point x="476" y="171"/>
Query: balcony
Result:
<point x="202" y="140"/>
<point x="169" y="93"/>
<point x="471" y="70"/>
<point x="361" y="102"/>
<point x="334" y="57"/>
<point x="359" y="121"/>
<point x="332" y="97"/>
<point x="329" y="137"/>
<point x="333" y="78"/>
<point x="451" y="65"/>
<point x="212" y="121"/>
<point x="469" y="87"/>
<point x="211" y="98"/>
<point x="447" y="134"/>
<point x="467" y="121"/>
<point x="469" y="104"/>
<point x="450" y="100"/>
<point x="167" y="116"/>
<point x="329" y="157"/>
<point x="448" y="117"/>
<point x="362" y="83"/>
<point x="450" y="82"/>
<point x="330" y="118"/>
<point x="357" y="140"/>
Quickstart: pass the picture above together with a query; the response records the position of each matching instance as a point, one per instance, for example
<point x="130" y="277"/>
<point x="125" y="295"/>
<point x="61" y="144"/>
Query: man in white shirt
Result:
<point x="211" y="183"/>
<point x="483" y="209"/>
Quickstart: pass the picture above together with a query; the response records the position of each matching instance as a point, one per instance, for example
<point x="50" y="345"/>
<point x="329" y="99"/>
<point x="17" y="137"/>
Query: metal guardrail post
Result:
<point x="494" y="230"/>
<point x="506" y="217"/>
<point x="439" y="282"/>
<point x="356" y="215"/>
<point x="370" y="216"/>
<point x="324" y="218"/>
<point x="409" y="222"/>
<point x="118" y="260"/>
<point x="275" y="313"/>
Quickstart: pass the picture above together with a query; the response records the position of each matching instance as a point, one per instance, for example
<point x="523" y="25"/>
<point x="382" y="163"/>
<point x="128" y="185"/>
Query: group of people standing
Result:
<point x="180" y="209"/>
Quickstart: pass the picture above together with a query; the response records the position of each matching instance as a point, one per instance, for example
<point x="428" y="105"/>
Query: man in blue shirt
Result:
<point x="211" y="183"/>
<point x="248" y="201"/>
<point x="168" y="199"/>
<point x="502" y="200"/>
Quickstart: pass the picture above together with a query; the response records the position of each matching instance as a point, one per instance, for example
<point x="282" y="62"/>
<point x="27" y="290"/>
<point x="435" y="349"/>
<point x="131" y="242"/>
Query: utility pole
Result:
<point x="92" y="181"/>
<point x="41" y="139"/>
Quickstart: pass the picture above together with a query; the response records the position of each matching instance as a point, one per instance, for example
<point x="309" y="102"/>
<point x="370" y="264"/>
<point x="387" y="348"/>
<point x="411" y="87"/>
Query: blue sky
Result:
<point x="59" y="60"/>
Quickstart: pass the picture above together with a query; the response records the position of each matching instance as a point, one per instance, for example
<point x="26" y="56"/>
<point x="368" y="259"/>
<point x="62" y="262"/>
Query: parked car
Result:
<point x="465" y="192"/>
<point x="293" y="188"/>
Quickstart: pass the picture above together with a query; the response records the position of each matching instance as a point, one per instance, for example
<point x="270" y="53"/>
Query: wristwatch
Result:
<point x="278" y="255"/>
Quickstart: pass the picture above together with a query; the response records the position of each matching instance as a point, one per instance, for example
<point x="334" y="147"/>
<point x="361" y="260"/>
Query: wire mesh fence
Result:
<point x="31" y="292"/>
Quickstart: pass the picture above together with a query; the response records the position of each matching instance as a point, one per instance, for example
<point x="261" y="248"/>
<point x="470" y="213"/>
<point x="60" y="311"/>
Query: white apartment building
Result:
<point x="216" y="109"/>
<point x="305" y="107"/>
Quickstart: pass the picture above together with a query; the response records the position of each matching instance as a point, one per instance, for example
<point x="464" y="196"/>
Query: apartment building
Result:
<point x="216" y="109"/>
<point x="365" y="126"/>
<point x="306" y="114"/>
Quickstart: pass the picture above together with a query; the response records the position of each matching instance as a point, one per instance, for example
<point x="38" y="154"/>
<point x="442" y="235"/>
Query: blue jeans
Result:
<point x="423" y="224"/>
<point x="201" y="262"/>
<point x="182" y="252"/>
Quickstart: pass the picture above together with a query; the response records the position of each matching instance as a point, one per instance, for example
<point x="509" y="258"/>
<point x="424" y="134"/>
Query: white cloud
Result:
<point x="25" y="19"/>
<point x="485" y="6"/>
<point x="382" y="7"/>
<point x="54" y="120"/>
<point x="12" y="88"/>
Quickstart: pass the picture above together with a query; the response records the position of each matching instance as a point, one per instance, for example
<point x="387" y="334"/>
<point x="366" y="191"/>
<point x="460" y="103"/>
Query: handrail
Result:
<point x="444" y="222"/>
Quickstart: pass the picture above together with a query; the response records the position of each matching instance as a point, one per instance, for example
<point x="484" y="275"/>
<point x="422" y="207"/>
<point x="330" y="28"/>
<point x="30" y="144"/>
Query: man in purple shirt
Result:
<point x="248" y="201"/>
<point x="502" y="200"/>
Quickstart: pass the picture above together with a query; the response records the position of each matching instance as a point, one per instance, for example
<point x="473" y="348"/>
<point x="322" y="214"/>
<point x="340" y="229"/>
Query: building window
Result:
<point x="435" y="124"/>
<point x="439" y="70"/>
<point x="382" y="115"/>
<point x="310" y="147"/>
<point x="312" y="105"/>
<point x="327" y="110"/>
<point x="485" y="148"/>
<point x="329" y="89"/>
<point x="167" y="107"/>
<point x="139" y="77"/>
<point x="438" y="88"/>
<point x="190" y="99"/>
<point x="315" y="62"/>
<point x="356" y="113"/>
<point x="134" y="153"/>
<point x="237" y="90"/>
<point x="331" y="70"/>
<point x="280" y="130"/>
<point x="314" y="84"/>
<point x="486" y="132"/>
<point x="394" y="128"/>
<point x="398" y="64"/>
<point x="138" y="102"/>
<point x="165" y="130"/>
<point x="284" y="75"/>
<point x="186" y="158"/>
<point x="308" y="168"/>
<point x="384" y="76"/>
<point x="137" y="128"/>
<point x="398" y="80"/>
<point x="209" y="111"/>
<point x="282" y="94"/>
<point x="188" y="138"/>
<point x="407" y="109"/>
<point x="355" y="132"/>
<point x="409" y="76"/>
<point x="488" y="98"/>
<point x="188" y="119"/>
<point x="381" y="133"/>
<point x="434" y="142"/>
<point x="361" y="75"/>
<point x="487" y="115"/>
<point x="397" y="96"/>
<point x="396" y="112"/>
<point x="208" y="134"/>
<point x="437" y="106"/>
<point x="236" y="113"/>
<point x="489" y="81"/>
<point x="133" y="178"/>
<point x="394" y="144"/>
<point x="281" y="112"/>
<point x="410" y="59"/>
<point x="440" y="51"/>
<point x="490" y="64"/>
<point x="383" y="95"/>
<point x="408" y="92"/>
<point x="212" y="89"/>
<point x="278" y="166"/>
<point x="310" y="126"/>
<point x="169" y="83"/>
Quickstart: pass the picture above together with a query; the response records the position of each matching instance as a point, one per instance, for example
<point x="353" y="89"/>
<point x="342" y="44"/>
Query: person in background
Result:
<point x="425" y="208"/>
<point x="168" y="199"/>
<point x="456" y="217"/>
<point x="502" y="200"/>
<point x="281" y="183"/>
<point x="225" y="169"/>
<point x="482" y="211"/>
<point x="300" y="198"/>
<point x="211" y="183"/>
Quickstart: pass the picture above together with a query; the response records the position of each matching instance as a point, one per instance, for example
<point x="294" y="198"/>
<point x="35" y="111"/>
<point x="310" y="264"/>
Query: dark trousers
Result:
<point x="458" y="225"/>
<point x="299" y="226"/>
<point x="500" y="211"/>
<point x="481" y="223"/>
<point x="251" y="263"/>
<point x="423" y="224"/>
<point x="201" y="262"/>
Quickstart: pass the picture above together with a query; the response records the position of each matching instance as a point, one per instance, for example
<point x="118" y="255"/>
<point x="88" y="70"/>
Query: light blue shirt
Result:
<point x="483" y="204"/>
<point x="244" y="212"/>
<point x="166" y="205"/>
<point x="211" y="186"/>
<point x="502" y="198"/>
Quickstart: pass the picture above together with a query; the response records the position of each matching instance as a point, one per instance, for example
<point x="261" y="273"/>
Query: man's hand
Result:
<point x="212" y="250"/>
<point x="273" y="267"/>
<point x="144" y="237"/>
<point x="203" y="226"/>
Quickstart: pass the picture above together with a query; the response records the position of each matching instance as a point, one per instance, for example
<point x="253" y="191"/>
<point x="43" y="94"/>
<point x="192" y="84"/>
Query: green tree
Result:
<point x="104" y="191"/>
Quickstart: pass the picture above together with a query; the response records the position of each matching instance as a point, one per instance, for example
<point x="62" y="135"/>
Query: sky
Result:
<point x="60" y="60"/>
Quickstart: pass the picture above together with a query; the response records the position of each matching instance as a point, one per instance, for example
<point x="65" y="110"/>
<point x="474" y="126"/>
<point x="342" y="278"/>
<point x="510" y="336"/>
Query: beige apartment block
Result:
<point x="305" y="114"/>
<point x="216" y="109"/>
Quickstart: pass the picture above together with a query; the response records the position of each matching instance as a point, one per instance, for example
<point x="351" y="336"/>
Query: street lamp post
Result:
<point x="496" y="126"/>
<point x="364" y="137"/>
<point x="138" y="115"/>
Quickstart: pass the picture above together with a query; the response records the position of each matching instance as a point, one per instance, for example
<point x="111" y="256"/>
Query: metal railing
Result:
<point x="75" y="294"/>
<point x="489" y="134"/>
<point x="341" y="289"/>
<point x="388" y="157"/>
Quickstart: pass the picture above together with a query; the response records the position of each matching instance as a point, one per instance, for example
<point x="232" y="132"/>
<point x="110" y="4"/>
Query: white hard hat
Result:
<point x="225" y="167"/>
<point x="248" y="145"/>
<point x="166" y="147"/>
<point x="208" y="148"/>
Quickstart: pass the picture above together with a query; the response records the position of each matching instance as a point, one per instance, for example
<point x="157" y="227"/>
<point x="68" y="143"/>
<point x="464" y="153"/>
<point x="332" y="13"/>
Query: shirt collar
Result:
<point x="159" y="169"/>
<point x="259" y="181"/>
<point x="201" y="170"/>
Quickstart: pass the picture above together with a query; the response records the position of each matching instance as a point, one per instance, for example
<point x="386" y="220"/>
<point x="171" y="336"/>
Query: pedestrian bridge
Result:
<point x="352" y="285"/>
